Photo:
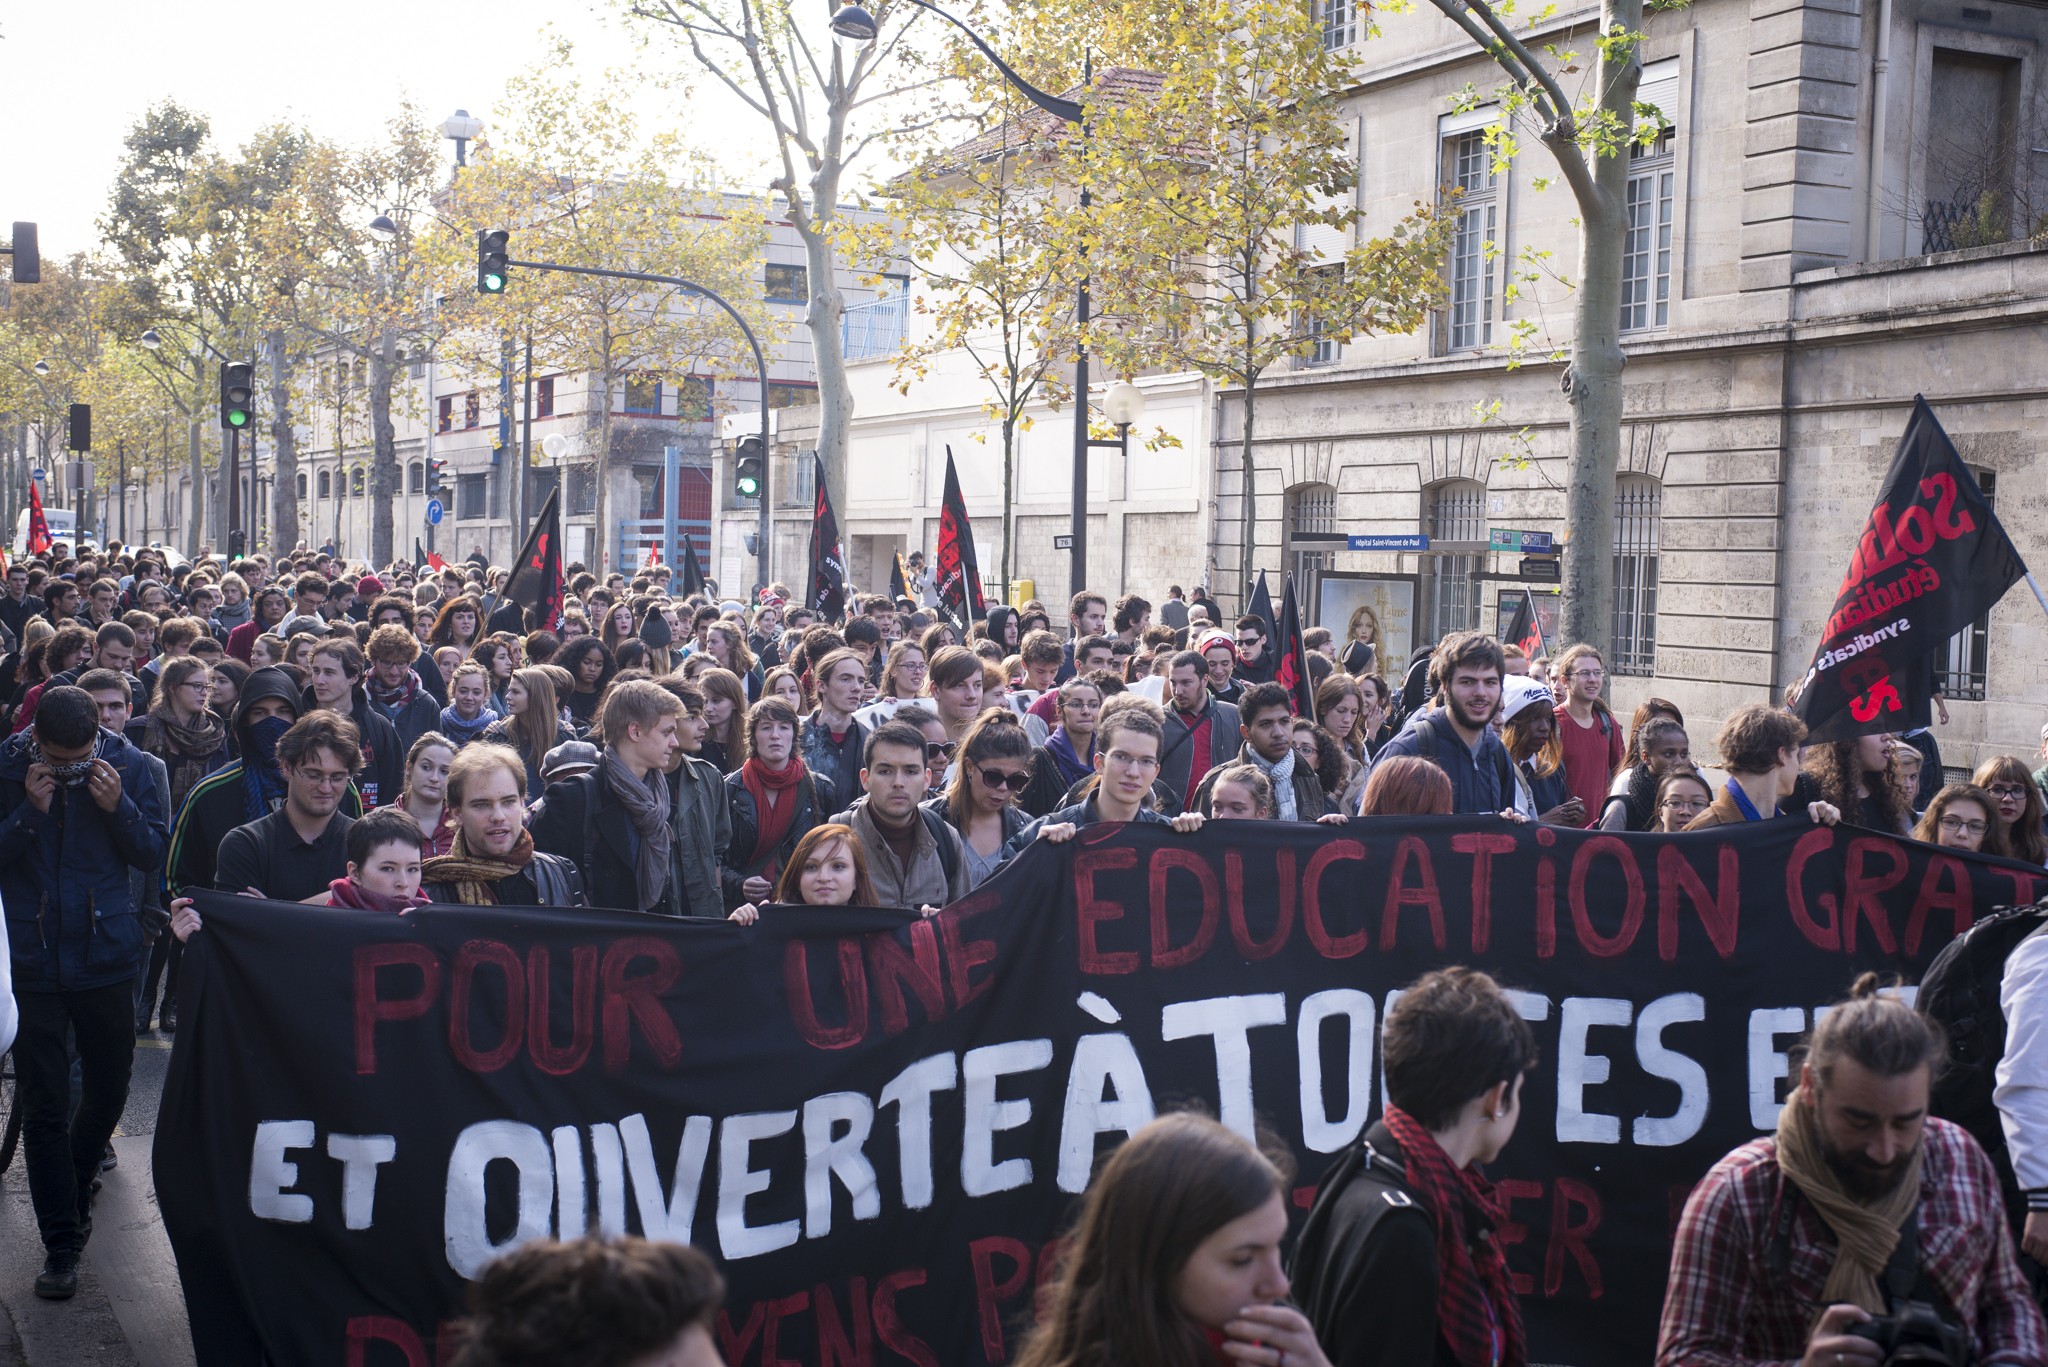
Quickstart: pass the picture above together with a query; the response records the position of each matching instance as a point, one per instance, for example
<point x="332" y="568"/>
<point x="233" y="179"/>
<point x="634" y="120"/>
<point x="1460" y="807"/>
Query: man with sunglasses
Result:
<point x="78" y="811"/>
<point x="914" y="858"/>
<point x="298" y="850"/>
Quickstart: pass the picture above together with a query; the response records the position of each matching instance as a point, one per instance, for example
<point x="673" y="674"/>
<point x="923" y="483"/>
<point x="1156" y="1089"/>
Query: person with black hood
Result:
<point x="251" y="787"/>
<point x="335" y="682"/>
<point x="1004" y="628"/>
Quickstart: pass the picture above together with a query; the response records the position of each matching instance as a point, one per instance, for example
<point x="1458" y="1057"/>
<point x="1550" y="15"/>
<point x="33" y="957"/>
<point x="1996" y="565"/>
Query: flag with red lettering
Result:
<point x="959" y="574"/>
<point x="536" y="582"/>
<point x="1932" y="559"/>
<point x="827" y="593"/>
<point x="1290" y="657"/>
<point x="38" y="525"/>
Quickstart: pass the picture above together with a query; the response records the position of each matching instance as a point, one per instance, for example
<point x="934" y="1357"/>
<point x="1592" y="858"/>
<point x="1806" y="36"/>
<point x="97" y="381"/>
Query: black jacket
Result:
<point x="549" y="881"/>
<point x="1364" y="1268"/>
<point x="1080" y="814"/>
<point x="383" y="771"/>
<point x="581" y="820"/>
<point x="1310" y="801"/>
<point x="746" y="824"/>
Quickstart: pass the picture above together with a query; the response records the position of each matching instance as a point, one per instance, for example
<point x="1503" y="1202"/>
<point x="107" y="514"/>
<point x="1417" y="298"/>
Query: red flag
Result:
<point x="435" y="561"/>
<point x="653" y="556"/>
<point x="38" y="525"/>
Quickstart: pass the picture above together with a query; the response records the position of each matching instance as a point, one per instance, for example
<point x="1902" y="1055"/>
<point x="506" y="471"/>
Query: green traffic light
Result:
<point x="494" y="284"/>
<point x="237" y="418"/>
<point x="749" y="487"/>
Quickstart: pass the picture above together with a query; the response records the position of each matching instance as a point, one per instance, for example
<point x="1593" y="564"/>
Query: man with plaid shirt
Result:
<point x="1791" y="1240"/>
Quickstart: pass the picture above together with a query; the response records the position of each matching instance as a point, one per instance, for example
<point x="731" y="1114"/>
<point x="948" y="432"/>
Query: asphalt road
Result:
<point x="128" y="1311"/>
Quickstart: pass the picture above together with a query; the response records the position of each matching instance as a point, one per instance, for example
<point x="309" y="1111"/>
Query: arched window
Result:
<point x="1638" y="500"/>
<point x="302" y="484"/>
<point x="416" y="478"/>
<point x="1454" y="520"/>
<point x="326" y="483"/>
<point x="355" y="482"/>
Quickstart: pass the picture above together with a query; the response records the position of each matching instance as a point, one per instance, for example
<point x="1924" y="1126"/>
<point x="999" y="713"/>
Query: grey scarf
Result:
<point x="646" y="805"/>
<point x="1282" y="775"/>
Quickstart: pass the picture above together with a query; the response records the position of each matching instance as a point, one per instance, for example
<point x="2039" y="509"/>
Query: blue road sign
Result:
<point x="433" y="512"/>
<point x="1411" y="541"/>
<point x="39" y="473"/>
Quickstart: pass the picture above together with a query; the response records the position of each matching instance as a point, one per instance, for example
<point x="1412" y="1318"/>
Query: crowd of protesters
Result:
<point x="299" y="729"/>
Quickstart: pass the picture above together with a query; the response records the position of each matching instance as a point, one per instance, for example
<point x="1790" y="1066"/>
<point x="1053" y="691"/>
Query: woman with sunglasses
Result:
<point x="981" y="801"/>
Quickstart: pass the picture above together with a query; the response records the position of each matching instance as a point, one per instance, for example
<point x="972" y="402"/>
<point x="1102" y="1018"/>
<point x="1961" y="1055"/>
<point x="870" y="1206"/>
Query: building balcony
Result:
<point x="876" y="328"/>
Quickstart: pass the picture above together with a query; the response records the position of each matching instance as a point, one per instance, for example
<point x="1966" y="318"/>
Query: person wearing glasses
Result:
<point x="914" y="859"/>
<point x="1682" y="794"/>
<point x="1068" y="755"/>
<point x="1593" y="742"/>
<point x="980" y="804"/>
<point x="1963" y="817"/>
<point x="1128" y="740"/>
<point x="300" y="849"/>
<point x="2018" y="813"/>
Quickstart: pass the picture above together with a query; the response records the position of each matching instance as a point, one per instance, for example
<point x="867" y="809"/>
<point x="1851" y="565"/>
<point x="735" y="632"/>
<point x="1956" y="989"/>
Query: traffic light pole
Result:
<point x="233" y="474"/>
<point x="765" y="558"/>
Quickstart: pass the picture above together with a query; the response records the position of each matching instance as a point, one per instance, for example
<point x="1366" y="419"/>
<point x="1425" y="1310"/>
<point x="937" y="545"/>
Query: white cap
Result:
<point x="1518" y="691"/>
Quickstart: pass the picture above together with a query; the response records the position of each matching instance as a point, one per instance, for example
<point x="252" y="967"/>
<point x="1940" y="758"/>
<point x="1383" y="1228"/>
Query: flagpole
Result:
<point x="2039" y="597"/>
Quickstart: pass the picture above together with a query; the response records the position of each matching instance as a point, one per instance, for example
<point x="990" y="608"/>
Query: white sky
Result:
<point x="73" y="79"/>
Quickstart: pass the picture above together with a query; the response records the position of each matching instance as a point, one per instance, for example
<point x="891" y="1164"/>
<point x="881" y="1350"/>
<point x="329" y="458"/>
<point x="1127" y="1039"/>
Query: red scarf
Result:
<point x="1476" y="1310"/>
<point x="347" y="892"/>
<point x="772" y="819"/>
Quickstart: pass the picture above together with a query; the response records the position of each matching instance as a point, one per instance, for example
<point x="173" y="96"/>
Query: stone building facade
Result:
<point x="1846" y="211"/>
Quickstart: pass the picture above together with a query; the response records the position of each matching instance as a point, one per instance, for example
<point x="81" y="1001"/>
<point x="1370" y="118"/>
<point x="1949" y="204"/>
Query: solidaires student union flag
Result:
<point x="1932" y="559"/>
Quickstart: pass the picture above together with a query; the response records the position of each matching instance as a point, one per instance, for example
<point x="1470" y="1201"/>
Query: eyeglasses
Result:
<point x="939" y="749"/>
<point x="1684" y="804"/>
<point x="198" y="685"/>
<point x="1953" y="824"/>
<point x="1248" y="640"/>
<point x="1587" y="674"/>
<point x="326" y="779"/>
<point x="996" y="778"/>
<point x="2002" y="791"/>
<point x="1122" y="760"/>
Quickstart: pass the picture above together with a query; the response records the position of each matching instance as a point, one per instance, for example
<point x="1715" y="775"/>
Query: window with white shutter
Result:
<point x="1333" y="243"/>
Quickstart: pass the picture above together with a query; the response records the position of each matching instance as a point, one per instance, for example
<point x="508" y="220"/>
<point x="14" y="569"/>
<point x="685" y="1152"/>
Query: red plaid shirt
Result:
<point x="1726" y="1305"/>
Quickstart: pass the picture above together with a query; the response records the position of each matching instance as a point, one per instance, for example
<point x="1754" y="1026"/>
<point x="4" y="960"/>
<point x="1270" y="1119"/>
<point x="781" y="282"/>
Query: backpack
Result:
<point x="949" y="850"/>
<point x="1360" y="1162"/>
<point x="1959" y="991"/>
<point x="1503" y="770"/>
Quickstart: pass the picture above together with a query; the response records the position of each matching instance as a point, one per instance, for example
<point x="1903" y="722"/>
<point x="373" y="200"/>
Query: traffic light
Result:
<point x="746" y="468"/>
<point x="81" y="427"/>
<point x="28" y="261"/>
<point x="493" y="260"/>
<point x="237" y="395"/>
<point x="437" y="476"/>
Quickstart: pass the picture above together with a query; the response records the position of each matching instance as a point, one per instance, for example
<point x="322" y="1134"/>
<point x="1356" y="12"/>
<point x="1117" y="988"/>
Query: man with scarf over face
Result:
<point x="613" y="822"/>
<point x="1860" y="1204"/>
<point x="253" y="786"/>
<point x="1398" y="1262"/>
<point x="492" y="861"/>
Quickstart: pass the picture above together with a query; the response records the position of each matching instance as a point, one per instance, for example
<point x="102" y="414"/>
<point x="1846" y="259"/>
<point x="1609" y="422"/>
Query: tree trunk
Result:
<point x="384" y="456"/>
<point x="1594" y="390"/>
<point x="1249" y="520"/>
<point x="195" y="523"/>
<point x="284" y="494"/>
<point x="1009" y="493"/>
<point x="835" y="395"/>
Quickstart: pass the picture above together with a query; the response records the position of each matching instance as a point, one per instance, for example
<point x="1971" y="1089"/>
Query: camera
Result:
<point x="1917" y="1333"/>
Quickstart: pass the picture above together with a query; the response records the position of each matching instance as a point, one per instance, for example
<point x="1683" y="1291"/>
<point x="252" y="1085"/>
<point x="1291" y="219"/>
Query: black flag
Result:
<point x="959" y="576"/>
<point x="899" y="582"/>
<point x="419" y="557"/>
<point x="693" y="573"/>
<point x="1290" y="657"/>
<point x="827" y="593"/>
<point x="1524" y="630"/>
<point x="1932" y="559"/>
<point x="536" y="582"/>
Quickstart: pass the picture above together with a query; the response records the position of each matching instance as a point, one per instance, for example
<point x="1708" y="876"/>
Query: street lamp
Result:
<point x="41" y="367"/>
<point x="855" y="26"/>
<point x="149" y="339"/>
<point x="459" y="128"/>
<point x="383" y="228"/>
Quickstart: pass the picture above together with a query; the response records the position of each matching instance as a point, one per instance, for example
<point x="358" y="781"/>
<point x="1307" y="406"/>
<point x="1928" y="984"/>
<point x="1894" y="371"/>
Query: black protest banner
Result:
<point x="878" y="1124"/>
<point x="827" y="593"/>
<point x="1290" y="658"/>
<point x="1932" y="559"/>
<point x="536" y="582"/>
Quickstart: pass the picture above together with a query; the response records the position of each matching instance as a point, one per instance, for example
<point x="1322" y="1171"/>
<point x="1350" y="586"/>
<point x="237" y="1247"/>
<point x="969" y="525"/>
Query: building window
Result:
<point x="302" y="484"/>
<point x="1972" y="150"/>
<point x="472" y="408"/>
<point x="1637" y="502"/>
<point x="326" y="483"/>
<point x="1475" y="237"/>
<point x="355" y="482"/>
<point x="416" y="478"/>
<point x="472" y="496"/>
<point x="787" y="284"/>
<point x="1339" y="19"/>
<point x="643" y="396"/>
<point x="693" y="399"/>
<point x="1323" y="348"/>
<point x="582" y="494"/>
<point x="1310" y="508"/>
<point x="1457" y="518"/>
<point x="1960" y="668"/>
<point x="544" y="397"/>
<point x="788" y="394"/>
<point x="1646" y="247"/>
<point x="446" y="419"/>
